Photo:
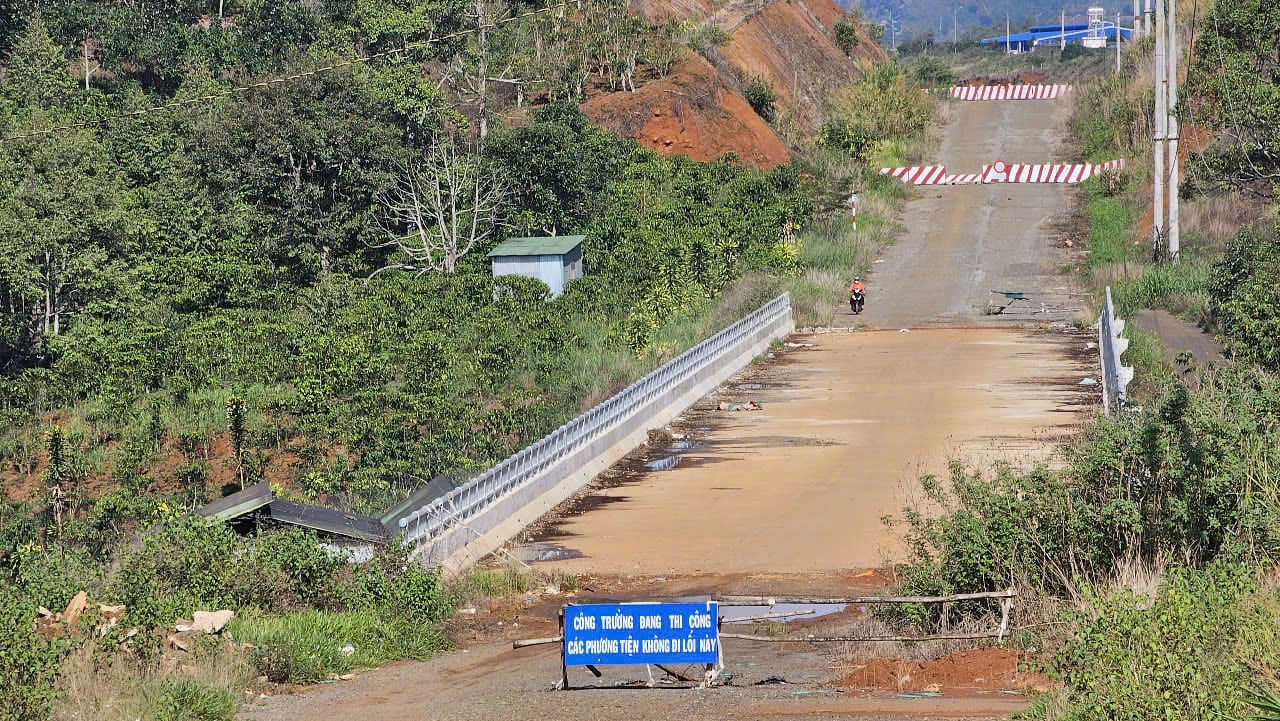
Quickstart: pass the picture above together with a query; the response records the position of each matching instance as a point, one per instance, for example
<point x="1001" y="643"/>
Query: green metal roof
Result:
<point x="557" y="245"/>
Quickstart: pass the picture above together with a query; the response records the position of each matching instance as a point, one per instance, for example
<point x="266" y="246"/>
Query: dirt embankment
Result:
<point x="699" y="109"/>
<point x="690" y="112"/>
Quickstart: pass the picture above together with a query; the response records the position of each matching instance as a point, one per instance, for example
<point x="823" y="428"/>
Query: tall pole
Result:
<point x="1146" y="16"/>
<point x="1117" y="43"/>
<point x="1161" y="132"/>
<point x="1064" y="31"/>
<point x="955" y="29"/>
<point x="1171" y="48"/>
<point x="1136" y="29"/>
<point x="1006" y="35"/>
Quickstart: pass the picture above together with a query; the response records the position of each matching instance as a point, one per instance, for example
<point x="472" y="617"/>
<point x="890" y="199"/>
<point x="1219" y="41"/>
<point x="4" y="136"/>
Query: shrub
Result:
<point x="762" y="97"/>
<point x="1186" y="654"/>
<point x="846" y="35"/>
<point x="28" y="661"/>
<point x="1072" y="51"/>
<point x="933" y="73"/>
<point x="1244" y="289"/>
<point x="184" y="699"/>
<point x="854" y="142"/>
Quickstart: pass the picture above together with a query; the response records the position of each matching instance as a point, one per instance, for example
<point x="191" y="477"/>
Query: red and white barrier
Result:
<point x="918" y="175"/>
<point x="964" y="179"/>
<point x="1008" y="92"/>
<point x="1002" y="172"/>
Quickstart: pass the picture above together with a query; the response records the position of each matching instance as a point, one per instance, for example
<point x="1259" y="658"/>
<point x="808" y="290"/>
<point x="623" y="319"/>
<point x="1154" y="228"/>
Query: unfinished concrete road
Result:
<point x="964" y="241"/>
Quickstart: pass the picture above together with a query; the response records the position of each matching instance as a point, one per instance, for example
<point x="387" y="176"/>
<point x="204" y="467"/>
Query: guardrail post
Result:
<point x="1111" y="343"/>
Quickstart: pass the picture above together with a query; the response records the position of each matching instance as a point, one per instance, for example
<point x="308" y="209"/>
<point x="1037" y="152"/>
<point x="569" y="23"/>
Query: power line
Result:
<point x="282" y="79"/>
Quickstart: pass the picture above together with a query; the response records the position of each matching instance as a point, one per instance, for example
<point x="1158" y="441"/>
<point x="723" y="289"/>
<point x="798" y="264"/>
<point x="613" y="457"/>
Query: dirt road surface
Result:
<point x="849" y="421"/>
<point x="791" y="496"/>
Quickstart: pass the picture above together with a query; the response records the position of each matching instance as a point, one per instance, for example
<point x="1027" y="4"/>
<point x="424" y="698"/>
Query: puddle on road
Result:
<point x="677" y="449"/>
<point x="819" y="610"/>
<point x="542" y="551"/>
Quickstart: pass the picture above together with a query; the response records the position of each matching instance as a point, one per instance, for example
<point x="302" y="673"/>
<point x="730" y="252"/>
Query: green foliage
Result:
<point x="307" y="647"/>
<point x="1245" y="293"/>
<point x="762" y="97"/>
<point x="1186" y="654"/>
<point x="184" y="699"/>
<point x="933" y="73"/>
<point x="28" y="661"/>
<point x="845" y="32"/>
<point x="1110" y="221"/>
<point x="854" y="142"/>
<point x="1071" y="52"/>
<point x="1234" y="88"/>
<point x="1179" y="477"/>
<point x="883" y="103"/>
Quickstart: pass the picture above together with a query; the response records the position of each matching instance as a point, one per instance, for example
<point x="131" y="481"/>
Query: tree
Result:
<point x="441" y="207"/>
<point x="846" y="35"/>
<point x="38" y="76"/>
<point x="1235" y="88"/>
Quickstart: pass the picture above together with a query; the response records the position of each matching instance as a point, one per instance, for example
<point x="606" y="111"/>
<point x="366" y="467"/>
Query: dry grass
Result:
<point x="1212" y="220"/>
<point x="123" y="688"/>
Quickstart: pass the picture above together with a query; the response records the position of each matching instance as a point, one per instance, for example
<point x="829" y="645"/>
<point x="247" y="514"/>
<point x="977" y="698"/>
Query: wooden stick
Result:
<point x="536" y="641"/>
<point x="771" y="600"/>
<point x="673" y="673"/>
<point x="767" y="616"/>
<point x="836" y="639"/>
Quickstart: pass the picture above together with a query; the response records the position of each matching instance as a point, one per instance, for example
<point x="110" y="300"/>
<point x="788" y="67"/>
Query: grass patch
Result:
<point x="1110" y="224"/>
<point x="308" y="647"/>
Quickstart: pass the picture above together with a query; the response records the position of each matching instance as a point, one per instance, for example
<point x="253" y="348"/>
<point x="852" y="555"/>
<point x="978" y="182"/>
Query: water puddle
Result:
<point x="542" y="551"/>
<point x="807" y="611"/>
<point x="677" y="450"/>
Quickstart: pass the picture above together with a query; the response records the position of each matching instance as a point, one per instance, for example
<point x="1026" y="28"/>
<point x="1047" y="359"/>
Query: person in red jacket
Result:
<point x="856" y="295"/>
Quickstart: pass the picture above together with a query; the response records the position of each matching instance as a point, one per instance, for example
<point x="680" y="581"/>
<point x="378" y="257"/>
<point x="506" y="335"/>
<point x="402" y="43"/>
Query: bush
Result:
<point x="1183" y="477"/>
<point x="184" y="699"/>
<point x="846" y="35"/>
<point x="933" y="73"/>
<point x="762" y="97"/>
<point x="307" y="647"/>
<point x="1072" y="51"/>
<point x="1186" y="654"/>
<point x="855" y="143"/>
<point x="1244" y="289"/>
<point x="28" y="661"/>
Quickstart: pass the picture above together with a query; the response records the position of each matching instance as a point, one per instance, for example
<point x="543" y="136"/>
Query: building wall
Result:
<point x="546" y="268"/>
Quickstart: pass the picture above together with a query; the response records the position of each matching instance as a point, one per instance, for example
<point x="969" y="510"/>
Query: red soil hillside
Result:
<point x="690" y="112"/>
<point x="699" y="111"/>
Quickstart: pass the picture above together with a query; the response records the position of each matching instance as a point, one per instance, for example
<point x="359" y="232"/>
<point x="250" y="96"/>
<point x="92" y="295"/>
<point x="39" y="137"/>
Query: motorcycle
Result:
<point x="856" y="300"/>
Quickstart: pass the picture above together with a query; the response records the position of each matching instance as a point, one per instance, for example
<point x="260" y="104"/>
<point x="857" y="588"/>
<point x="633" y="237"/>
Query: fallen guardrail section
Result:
<point x="1115" y="376"/>
<point x="475" y="519"/>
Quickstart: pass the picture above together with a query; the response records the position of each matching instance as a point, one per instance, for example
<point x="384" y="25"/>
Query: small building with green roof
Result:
<point x="554" y="260"/>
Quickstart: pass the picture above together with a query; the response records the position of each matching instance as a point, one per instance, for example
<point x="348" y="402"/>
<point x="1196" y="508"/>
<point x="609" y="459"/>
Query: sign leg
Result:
<point x="564" y="668"/>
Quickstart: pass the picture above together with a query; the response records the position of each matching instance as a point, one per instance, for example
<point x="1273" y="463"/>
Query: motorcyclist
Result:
<point x="856" y="295"/>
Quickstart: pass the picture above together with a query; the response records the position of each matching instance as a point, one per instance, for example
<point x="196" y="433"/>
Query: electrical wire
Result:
<point x="282" y="79"/>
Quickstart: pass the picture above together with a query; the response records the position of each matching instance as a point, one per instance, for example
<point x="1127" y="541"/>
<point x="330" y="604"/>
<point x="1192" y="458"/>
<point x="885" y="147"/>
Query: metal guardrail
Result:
<point x="1115" y="376"/>
<point x="455" y="508"/>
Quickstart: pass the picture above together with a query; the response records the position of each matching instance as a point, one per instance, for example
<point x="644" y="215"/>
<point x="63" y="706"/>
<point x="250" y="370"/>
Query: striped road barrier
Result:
<point x="1008" y="92"/>
<point x="918" y="175"/>
<point x="1070" y="173"/>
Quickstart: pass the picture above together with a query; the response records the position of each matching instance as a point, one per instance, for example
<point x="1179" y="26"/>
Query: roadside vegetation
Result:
<point x="1146" y="556"/>
<point x="230" y="287"/>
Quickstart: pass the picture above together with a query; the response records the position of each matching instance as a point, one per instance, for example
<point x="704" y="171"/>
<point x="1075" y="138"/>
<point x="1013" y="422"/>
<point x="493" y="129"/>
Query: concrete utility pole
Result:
<point x="1136" y="19"/>
<point x="1171" y="129"/>
<point x="1063" y="46"/>
<point x="1117" y="43"/>
<point x="1146" y="17"/>
<point x="1006" y="35"/>
<point x="1161" y="122"/>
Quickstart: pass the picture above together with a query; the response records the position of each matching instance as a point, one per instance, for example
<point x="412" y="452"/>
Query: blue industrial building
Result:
<point x="1052" y="35"/>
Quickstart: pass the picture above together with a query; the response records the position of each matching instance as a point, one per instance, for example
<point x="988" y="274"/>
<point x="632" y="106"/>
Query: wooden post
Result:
<point x="946" y="616"/>
<point x="564" y="668"/>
